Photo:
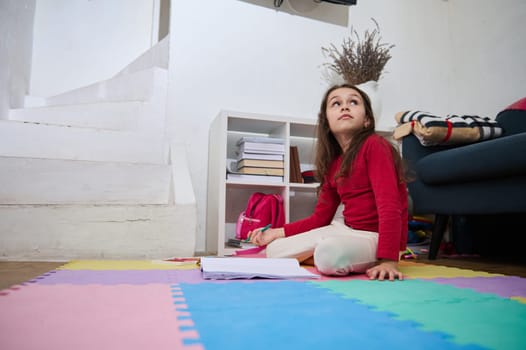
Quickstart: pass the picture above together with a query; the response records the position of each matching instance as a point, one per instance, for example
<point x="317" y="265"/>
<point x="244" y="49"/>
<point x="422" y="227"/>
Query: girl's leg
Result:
<point x="341" y="254"/>
<point x="300" y="246"/>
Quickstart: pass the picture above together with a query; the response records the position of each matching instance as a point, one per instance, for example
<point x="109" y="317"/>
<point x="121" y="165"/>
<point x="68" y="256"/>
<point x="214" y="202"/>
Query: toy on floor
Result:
<point x="419" y="229"/>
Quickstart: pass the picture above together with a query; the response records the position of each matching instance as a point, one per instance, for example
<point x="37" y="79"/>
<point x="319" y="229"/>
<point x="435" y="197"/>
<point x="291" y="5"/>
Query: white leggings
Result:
<point x="337" y="249"/>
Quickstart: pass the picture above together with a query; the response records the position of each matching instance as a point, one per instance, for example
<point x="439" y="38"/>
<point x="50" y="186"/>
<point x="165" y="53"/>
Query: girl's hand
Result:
<point x="260" y="238"/>
<point x="386" y="269"/>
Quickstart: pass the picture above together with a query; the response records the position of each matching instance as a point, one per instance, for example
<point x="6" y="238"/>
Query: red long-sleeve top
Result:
<point x="373" y="197"/>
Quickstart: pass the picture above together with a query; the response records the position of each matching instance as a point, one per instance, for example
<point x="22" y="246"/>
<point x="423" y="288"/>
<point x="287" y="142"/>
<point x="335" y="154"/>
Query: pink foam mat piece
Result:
<point x="92" y="317"/>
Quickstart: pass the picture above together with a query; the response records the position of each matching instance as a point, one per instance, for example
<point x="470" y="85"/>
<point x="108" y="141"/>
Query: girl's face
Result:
<point x="346" y="112"/>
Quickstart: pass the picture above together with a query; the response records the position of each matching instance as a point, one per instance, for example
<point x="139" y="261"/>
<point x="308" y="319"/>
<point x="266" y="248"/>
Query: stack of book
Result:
<point x="259" y="159"/>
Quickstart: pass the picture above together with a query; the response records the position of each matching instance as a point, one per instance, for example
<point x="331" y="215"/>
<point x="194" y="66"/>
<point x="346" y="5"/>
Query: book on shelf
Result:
<point x="227" y="268"/>
<point x="262" y="156"/>
<point x="295" y="168"/>
<point x="260" y="139"/>
<point x="260" y="163"/>
<point x="268" y="148"/>
<point x="254" y="178"/>
<point x="233" y="174"/>
<point x="261" y="171"/>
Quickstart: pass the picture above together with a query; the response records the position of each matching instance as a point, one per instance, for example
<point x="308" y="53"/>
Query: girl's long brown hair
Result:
<point x="328" y="148"/>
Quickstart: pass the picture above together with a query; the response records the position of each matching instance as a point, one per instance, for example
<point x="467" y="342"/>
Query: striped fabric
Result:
<point x="449" y="130"/>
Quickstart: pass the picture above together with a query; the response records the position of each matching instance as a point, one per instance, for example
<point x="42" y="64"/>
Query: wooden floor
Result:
<point x="12" y="273"/>
<point x="511" y="267"/>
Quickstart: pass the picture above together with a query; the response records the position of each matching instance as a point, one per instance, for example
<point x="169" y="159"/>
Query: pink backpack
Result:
<point x="262" y="209"/>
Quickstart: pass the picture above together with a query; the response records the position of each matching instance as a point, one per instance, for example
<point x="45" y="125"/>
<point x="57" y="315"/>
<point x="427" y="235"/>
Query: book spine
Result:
<point x="260" y="163"/>
<point x="262" y="171"/>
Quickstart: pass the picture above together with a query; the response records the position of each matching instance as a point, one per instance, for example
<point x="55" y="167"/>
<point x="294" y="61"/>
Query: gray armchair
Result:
<point x="486" y="177"/>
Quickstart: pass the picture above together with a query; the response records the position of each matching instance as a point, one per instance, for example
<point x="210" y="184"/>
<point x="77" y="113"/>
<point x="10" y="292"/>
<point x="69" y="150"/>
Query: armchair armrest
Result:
<point x="513" y="121"/>
<point x="501" y="157"/>
<point x="413" y="151"/>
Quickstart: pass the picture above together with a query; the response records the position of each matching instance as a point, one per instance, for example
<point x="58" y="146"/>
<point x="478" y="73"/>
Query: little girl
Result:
<point x="364" y="172"/>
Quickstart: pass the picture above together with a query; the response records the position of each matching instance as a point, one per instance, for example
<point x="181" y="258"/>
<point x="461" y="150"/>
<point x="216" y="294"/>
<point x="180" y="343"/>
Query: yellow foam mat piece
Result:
<point x="128" y="265"/>
<point x="409" y="269"/>
<point x="519" y="299"/>
<point x="428" y="271"/>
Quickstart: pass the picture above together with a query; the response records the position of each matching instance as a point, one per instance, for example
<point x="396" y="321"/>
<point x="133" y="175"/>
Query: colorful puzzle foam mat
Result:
<point x="159" y="305"/>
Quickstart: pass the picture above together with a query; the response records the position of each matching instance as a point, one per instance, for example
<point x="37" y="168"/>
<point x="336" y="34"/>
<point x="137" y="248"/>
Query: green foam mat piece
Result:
<point x="469" y="317"/>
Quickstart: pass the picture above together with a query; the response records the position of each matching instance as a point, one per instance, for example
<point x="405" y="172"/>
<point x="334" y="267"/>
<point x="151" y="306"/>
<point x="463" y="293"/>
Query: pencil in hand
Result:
<point x="262" y="230"/>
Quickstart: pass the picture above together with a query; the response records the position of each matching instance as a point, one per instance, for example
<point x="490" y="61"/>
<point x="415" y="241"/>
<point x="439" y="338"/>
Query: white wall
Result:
<point x="79" y="42"/>
<point x="16" y="40"/>
<point x="236" y="55"/>
<point x="487" y="55"/>
<point x="419" y="63"/>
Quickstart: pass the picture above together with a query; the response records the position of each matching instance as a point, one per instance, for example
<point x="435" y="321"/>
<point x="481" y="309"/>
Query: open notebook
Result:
<point x="243" y="268"/>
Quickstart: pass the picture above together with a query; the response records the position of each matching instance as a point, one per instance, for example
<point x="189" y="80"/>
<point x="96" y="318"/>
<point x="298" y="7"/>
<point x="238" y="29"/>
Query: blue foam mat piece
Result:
<point x="279" y="315"/>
